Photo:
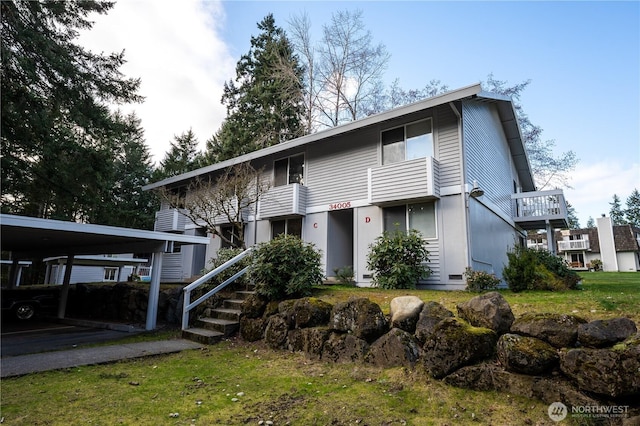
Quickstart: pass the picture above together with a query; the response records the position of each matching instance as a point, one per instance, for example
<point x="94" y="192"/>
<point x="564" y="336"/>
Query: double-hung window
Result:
<point x="289" y="170"/>
<point x="408" y="142"/>
<point x="419" y="216"/>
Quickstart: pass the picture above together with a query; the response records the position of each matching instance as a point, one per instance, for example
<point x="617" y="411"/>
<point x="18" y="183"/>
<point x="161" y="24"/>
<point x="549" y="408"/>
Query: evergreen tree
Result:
<point x="574" y="222"/>
<point x="182" y="157"/>
<point x="54" y="113"/>
<point x="125" y="203"/>
<point x="616" y="213"/>
<point x="632" y="212"/>
<point x="265" y="103"/>
<point x="591" y="223"/>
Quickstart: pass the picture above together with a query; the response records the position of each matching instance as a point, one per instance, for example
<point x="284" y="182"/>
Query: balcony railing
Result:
<point x="534" y="210"/>
<point x="405" y="180"/>
<point x="284" y="200"/>
<point x="573" y="245"/>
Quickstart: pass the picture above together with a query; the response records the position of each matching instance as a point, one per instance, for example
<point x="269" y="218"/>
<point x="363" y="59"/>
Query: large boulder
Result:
<point x="276" y="331"/>
<point x="489" y="377"/>
<point x="613" y="372"/>
<point x="454" y="344"/>
<point x="430" y="315"/>
<point x="310" y="312"/>
<point x="404" y="311"/>
<point x="397" y="348"/>
<point x="601" y="333"/>
<point x="308" y="340"/>
<point x="252" y="329"/>
<point x="559" y="330"/>
<point x="344" y="348"/>
<point x="253" y="306"/>
<point x="361" y="317"/>
<point x="489" y="310"/>
<point x="527" y="355"/>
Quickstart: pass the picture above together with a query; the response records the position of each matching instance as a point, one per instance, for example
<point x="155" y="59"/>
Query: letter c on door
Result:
<point x="315" y="225"/>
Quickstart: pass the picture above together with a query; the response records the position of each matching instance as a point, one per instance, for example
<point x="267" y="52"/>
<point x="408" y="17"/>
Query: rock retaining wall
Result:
<point x="551" y="357"/>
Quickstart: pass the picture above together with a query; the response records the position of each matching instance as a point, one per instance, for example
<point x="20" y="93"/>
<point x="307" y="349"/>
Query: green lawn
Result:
<point x="237" y="383"/>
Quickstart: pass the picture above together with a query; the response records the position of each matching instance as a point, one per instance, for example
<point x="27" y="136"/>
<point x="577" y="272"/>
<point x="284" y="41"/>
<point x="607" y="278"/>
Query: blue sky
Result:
<point x="583" y="60"/>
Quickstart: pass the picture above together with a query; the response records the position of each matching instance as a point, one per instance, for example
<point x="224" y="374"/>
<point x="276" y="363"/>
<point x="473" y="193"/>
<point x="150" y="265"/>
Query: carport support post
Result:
<point x="64" y="293"/>
<point x="154" y="289"/>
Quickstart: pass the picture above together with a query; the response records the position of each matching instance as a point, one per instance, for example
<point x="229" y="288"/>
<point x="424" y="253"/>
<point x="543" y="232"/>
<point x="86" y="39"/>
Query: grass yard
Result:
<point x="237" y="383"/>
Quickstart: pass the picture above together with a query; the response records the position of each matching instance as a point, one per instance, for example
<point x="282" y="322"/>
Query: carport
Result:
<point x="30" y="238"/>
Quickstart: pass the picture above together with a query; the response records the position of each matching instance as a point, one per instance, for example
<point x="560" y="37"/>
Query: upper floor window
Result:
<point x="414" y="140"/>
<point x="289" y="170"/>
<point x="421" y="217"/>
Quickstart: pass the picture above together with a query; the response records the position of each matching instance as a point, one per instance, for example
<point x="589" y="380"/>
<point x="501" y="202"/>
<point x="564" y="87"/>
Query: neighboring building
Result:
<point x="95" y="268"/>
<point x="453" y="166"/>
<point x="617" y="246"/>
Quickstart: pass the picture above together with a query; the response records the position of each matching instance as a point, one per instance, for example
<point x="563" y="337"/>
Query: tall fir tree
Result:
<point x="265" y="103"/>
<point x="616" y="213"/>
<point x="182" y="157"/>
<point x="574" y="222"/>
<point x="632" y="212"/>
<point x="54" y="108"/>
<point x="591" y="223"/>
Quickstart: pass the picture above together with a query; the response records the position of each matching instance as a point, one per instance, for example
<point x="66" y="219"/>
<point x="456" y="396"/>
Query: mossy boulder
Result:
<point x="559" y="330"/>
<point x="601" y="333"/>
<point x="340" y="347"/>
<point x="310" y="312"/>
<point x="252" y="329"/>
<point x="308" y="340"/>
<point x="430" y="315"/>
<point x="253" y="306"/>
<point x="612" y="372"/>
<point x="489" y="310"/>
<point x="276" y="331"/>
<point x="397" y="348"/>
<point x="454" y="344"/>
<point x="527" y="355"/>
<point x="361" y="317"/>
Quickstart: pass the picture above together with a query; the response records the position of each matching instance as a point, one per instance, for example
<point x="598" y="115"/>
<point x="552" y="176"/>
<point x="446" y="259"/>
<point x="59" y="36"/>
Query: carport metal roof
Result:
<point x="29" y="237"/>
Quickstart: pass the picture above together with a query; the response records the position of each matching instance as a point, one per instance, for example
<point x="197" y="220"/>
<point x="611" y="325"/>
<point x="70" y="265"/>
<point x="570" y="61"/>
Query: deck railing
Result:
<point x="188" y="305"/>
<point x="573" y="245"/>
<point x="540" y="207"/>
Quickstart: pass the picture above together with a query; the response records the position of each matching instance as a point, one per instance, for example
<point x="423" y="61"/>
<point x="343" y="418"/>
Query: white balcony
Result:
<point x="536" y="210"/>
<point x="170" y="220"/>
<point x="405" y="180"/>
<point x="573" y="245"/>
<point x="284" y="200"/>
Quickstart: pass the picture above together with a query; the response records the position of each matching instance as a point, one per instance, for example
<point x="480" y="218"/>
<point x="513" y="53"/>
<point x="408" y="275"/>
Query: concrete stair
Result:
<point x="222" y="322"/>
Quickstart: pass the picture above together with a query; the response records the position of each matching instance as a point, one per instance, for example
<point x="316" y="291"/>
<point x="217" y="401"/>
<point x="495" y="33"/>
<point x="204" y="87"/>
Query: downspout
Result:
<point x="463" y="189"/>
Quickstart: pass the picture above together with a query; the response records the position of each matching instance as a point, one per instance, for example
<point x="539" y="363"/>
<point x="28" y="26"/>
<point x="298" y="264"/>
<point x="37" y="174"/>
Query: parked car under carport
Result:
<point x="25" y="303"/>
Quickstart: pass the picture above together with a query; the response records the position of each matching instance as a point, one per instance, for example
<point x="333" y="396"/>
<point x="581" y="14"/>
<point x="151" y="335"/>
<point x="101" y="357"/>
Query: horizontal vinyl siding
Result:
<point x="87" y="274"/>
<point x="487" y="154"/>
<point x="448" y="147"/>
<point x="279" y="201"/>
<point x="337" y="170"/>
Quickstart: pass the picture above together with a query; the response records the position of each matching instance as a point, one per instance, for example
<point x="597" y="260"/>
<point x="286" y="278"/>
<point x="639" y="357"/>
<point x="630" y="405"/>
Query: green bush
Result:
<point x="531" y="269"/>
<point x="479" y="281"/>
<point x="344" y="275"/>
<point x="285" y="267"/>
<point x="397" y="259"/>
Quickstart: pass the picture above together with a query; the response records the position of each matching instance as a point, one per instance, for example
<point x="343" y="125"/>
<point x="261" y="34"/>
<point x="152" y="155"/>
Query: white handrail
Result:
<point x="187" y="305"/>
